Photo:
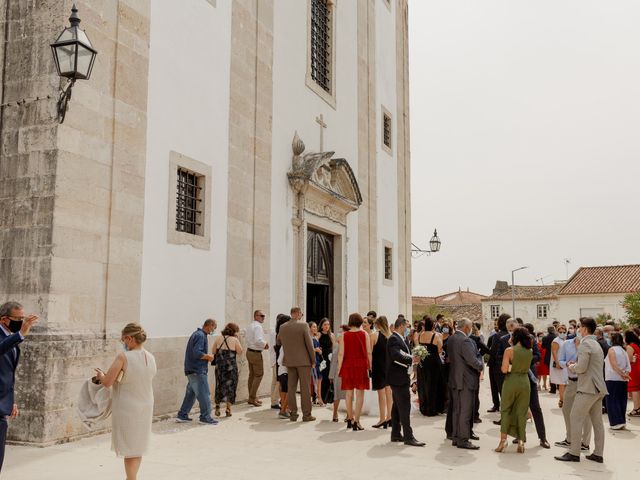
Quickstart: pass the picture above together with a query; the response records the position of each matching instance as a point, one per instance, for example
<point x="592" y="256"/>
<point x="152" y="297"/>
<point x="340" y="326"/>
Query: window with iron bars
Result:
<point x="388" y="263"/>
<point x="189" y="202"/>
<point x="321" y="38"/>
<point x="386" y="130"/>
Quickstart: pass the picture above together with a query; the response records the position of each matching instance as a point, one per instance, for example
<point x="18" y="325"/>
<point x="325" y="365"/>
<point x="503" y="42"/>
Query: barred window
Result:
<point x="189" y="202"/>
<point x="388" y="263"/>
<point x="386" y="130"/>
<point x="321" y="38"/>
<point x="495" y="311"/>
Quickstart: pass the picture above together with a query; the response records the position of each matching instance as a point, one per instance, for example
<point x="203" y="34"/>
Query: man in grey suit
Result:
<point x="591" y="389"/>
<point x="463" y="383"/>
<point x="299" y="358"/>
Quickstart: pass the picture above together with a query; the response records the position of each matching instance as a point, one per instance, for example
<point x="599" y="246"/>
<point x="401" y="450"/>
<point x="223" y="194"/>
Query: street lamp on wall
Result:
<point x="74" y="57"/>
<point x="434" y="246"/>
<point x="513" y="290"/>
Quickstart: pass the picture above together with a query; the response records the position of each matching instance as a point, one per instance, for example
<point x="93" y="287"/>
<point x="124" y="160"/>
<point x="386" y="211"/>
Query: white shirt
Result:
<point x="255" y="336"/>
<point x="272" y="350"/>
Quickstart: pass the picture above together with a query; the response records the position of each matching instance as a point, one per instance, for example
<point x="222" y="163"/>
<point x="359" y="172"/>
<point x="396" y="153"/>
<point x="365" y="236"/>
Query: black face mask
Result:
<point x="15" y="325"/>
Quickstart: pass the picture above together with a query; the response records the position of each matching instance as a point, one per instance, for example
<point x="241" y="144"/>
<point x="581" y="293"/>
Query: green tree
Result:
<point x="631" y="304"/>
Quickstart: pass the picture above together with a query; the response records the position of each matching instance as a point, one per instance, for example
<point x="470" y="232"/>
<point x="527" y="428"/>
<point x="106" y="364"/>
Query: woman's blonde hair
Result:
<point x="383" y="325"/>
<point x="135" y="331"/>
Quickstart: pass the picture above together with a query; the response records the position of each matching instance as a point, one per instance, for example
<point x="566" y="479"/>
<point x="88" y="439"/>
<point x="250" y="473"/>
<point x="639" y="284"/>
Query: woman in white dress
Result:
<point x="130" y="375"/>
<point x="558" y="374"/>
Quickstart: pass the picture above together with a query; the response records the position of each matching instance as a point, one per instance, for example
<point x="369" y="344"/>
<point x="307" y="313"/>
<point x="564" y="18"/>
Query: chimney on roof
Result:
<point x="501" y="287"/>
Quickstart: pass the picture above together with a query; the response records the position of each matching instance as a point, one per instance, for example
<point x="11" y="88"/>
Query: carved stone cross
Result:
<point x="320" y="121"/>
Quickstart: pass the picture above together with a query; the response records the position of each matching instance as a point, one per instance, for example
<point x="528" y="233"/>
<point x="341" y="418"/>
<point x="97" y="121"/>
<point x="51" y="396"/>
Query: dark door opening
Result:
<point x="319" y="276"/>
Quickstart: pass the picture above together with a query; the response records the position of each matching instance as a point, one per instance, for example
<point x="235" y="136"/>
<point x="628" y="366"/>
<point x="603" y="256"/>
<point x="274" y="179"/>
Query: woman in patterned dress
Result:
<point x="226" y="348"/>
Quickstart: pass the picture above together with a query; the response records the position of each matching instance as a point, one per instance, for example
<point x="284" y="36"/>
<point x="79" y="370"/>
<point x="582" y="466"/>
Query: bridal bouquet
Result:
<point x="420" y="351"/>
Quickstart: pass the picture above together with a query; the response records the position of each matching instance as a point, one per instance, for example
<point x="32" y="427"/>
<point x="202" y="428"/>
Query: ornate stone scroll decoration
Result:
<point x="324" y="185"/>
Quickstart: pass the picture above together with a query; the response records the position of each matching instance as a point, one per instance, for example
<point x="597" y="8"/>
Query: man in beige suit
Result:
<point x="591" y="390"/>
<point x="299" y="358"/>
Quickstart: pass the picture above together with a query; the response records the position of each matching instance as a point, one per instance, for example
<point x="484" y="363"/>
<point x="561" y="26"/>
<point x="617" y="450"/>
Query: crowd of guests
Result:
<point x="593" y="370"/>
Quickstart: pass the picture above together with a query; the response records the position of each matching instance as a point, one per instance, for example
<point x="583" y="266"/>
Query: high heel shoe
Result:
<point x="227" y="412"/>
<point x="388" y="424"/>
<point x="382" y="424"/>
<point x="520" y="446"/>
<point x="501" y="446"/>
<point x="357" y="426"/>
<point x="350" y="423"/>
<point x="217" y="411"/>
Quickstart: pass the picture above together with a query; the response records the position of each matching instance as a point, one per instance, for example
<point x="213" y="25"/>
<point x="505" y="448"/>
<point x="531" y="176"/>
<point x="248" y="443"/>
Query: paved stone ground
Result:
<point x="255" y="444"/>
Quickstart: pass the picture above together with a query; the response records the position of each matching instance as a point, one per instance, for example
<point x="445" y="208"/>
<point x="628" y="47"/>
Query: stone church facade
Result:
<point x="225" y="156"/>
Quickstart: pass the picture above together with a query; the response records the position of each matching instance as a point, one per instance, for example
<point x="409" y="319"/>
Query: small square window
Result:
<point x="543" y="311"/>
<point x="495" y="311"/>
<point x="189" y="221"/>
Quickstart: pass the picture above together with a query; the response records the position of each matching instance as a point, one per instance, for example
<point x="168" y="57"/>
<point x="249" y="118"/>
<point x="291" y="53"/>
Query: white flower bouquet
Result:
<point x="420" y="351"/>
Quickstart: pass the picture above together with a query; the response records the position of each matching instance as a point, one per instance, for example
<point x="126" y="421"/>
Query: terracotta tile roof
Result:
<point x="528" y="292"/>
<point x="602" y="280"/>
<point x="460" y="297"/>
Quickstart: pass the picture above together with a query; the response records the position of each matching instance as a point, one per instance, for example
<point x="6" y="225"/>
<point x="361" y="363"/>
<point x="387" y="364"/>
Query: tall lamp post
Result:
<point x="513" y="290"/>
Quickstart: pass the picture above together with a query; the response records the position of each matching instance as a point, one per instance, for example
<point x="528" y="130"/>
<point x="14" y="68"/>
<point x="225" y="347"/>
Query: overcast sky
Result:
<point x="525" y="138"/>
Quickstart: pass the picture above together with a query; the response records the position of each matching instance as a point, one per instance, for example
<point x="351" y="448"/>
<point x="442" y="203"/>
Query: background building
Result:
<point x="177" y="189"/>
<point x="591" y="291"/>
<point x="454" y="306"/>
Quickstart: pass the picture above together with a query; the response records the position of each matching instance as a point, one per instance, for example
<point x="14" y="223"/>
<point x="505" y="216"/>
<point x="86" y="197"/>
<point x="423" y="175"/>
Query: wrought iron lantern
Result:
<point x="434" y="246"/>
<point x="74" y="57"/>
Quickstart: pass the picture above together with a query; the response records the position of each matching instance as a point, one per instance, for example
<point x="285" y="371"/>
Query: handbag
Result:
<point x="215" y="356"/>
<point x="323" y="365"/>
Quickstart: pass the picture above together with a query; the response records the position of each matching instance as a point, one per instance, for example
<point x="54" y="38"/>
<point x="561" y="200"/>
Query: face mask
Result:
<point x="562" y="335"/>
<point x="125" y="347"/>
<point x="15" y="325"/>
<point x="445" y="330"/>
<point x="606" y="335"/>
<point x="608" y="341"/>
<point x="406" y="332"/>
<point x="579" y="336"/>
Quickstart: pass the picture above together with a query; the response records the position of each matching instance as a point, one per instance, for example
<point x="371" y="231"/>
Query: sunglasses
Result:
<point x="261" y="316"/>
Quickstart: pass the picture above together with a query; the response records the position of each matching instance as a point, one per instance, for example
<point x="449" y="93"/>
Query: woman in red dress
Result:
<point x="354" y="362"/>
<point x="543" y="368"/>
<point x="633" y="387"/>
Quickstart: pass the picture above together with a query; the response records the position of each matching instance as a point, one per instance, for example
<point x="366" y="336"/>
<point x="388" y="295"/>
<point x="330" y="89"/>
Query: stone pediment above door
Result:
<point x="326" y="186"/>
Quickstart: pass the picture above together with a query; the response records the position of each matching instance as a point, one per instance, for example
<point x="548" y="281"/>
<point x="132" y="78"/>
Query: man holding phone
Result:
<point x="14" y="327"/>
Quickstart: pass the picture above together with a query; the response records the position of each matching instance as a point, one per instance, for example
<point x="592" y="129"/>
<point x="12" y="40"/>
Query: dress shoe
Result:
<point x="493" y="410"/>
<point x="414" y="443"/>
<point x="293" y="416"/>
<point x="397" y="439"/>
<point x="275" y="406"/>
<point x="474" y="437"/>
<point x="309" y="418"/>
<point x="467" y="445"/>
<point x="595" y="458"/>
<point x="454" y="443"/>
<point x="567" y="457"/>
<point x="544" y="444"/>
<point x="497" y="422"/>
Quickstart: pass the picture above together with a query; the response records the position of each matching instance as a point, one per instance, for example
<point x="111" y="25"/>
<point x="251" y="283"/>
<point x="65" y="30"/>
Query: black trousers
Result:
<point x="400" y="412"/>
<point x="536" y="411"/>
<point x="496" y="378"/>
<point x="3" y="438"/>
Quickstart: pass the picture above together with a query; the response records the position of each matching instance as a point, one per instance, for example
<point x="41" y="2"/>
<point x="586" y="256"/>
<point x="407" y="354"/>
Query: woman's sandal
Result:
<point x="227" y="412"/>
<point x="635" y="413"/>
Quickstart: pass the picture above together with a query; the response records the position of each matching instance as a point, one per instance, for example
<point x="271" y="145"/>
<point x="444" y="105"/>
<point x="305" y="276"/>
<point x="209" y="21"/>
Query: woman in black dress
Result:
<point x="327" y="340"/>
<point x="379" y="370"/>
<point x="430" y="381"/>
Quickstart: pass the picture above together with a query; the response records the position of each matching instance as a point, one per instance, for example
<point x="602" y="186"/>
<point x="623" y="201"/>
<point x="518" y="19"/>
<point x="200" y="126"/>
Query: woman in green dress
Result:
<point x="515" y="389"/>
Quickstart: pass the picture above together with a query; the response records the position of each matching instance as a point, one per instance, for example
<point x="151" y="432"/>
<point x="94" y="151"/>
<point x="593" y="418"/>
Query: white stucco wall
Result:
<point x="573" y="306"/>
<point x="527" y="310"/>
<point x="295" y="108"/>
<point x="387" y="167"/>
<point x="188" y="112"/>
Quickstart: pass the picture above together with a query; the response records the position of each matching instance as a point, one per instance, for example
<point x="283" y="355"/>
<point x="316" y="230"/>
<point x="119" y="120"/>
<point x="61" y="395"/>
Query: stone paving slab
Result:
<point x="254" y="443"/>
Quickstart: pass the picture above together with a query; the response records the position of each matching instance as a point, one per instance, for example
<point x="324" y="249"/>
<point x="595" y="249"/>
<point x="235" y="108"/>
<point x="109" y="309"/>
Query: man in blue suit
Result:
<point x="14" y="327"/>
